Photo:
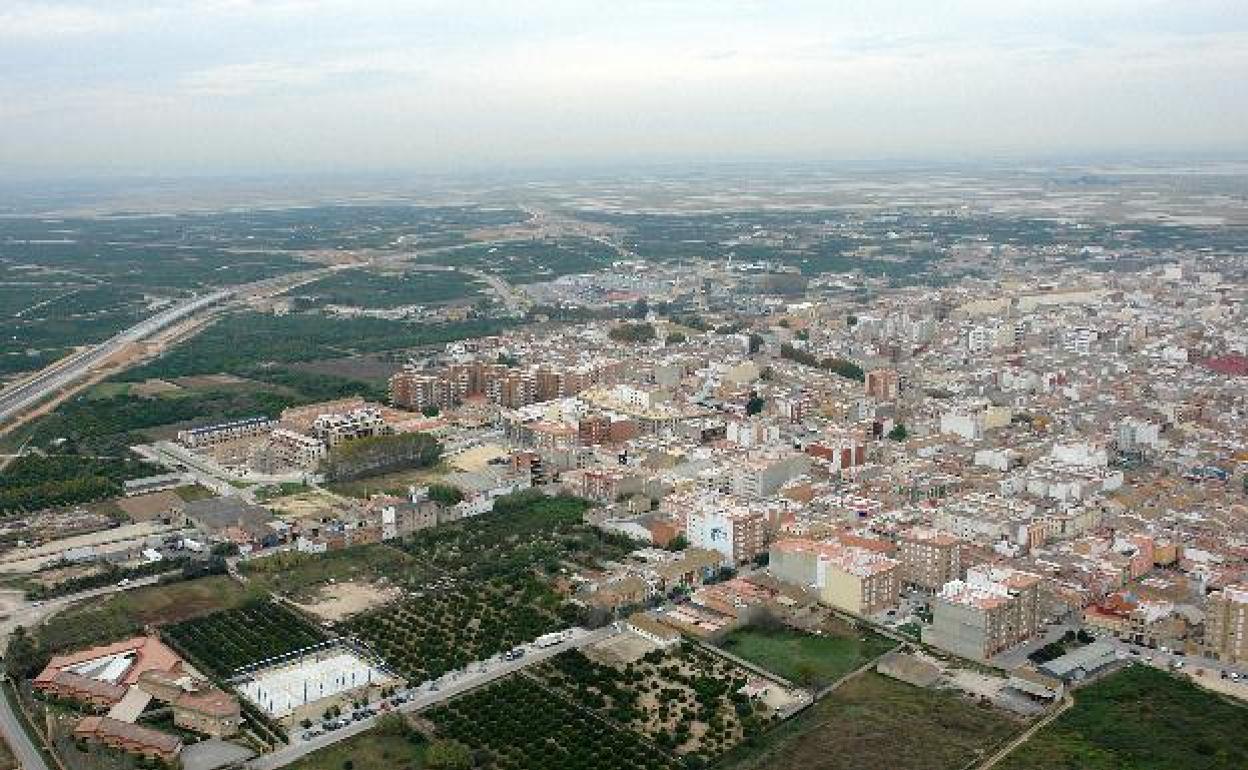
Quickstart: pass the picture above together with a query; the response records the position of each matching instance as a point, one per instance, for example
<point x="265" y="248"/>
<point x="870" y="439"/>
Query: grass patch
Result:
<point x="192" y="492"/>
<point x="807" y="659"/>
<point x="874" y="721"/>
<point x="373" y="750"/>
<point x="1140" y="719"/>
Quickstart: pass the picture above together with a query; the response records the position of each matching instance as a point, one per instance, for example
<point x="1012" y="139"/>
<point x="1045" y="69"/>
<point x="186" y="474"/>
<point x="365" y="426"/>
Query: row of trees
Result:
<point x="376" y="455"/>
<point x="839" y="366"/>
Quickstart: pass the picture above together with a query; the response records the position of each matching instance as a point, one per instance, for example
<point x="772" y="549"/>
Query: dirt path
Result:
<point x="1023" y="737"/>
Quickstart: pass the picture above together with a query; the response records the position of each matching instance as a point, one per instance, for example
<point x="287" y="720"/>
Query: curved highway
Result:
<point x="72" y="368"/>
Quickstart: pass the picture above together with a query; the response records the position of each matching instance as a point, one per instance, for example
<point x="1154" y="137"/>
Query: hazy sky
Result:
<point x="171" y="86"/>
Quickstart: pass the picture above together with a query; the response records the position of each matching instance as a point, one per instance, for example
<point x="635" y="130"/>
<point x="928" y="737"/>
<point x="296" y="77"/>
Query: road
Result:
<point x="72" y="368"/>
<point x="448" y="687"/>
<point x="29" y="757"/>
<point x="34" y="613"/>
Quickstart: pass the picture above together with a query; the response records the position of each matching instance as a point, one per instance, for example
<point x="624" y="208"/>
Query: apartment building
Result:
<point x="850" y="578"/>
<point x="929" y="558"/>
<point x="215" y="435"/>
<point x="295" y="450"/>
<point x="762" y="473"/>
<point x="739" y="534"/>
<point x="883" y="384"/>
<point x="333" y="428"/>
<point x="992" y="609"/>
<point x="1226" y="624"/>
<point x="989" y="519"/>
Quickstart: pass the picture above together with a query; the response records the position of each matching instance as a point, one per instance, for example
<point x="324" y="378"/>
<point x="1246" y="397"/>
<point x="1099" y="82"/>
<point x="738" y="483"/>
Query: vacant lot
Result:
<point x="1140" y="719"/>
<point x="302" y="576"/>
<point x="875" y="722"/>
<point x="807" y="659"/>
<point x="373" y="750"/>
<point x="122" y="614"/>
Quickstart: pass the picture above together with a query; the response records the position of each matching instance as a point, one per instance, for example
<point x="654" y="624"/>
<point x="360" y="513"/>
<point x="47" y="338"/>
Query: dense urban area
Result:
<point x="941" y="469"/>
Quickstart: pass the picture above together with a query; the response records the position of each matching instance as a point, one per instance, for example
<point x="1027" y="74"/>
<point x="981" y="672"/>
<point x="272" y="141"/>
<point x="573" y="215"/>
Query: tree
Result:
<point x="430" y="411"/>
<point x="445" y="494"/>
<point x="634" y="332"/>
<point x="898" y="433"/>
<point x="446" y="754"/>
<point x="22" y="658"/>
<point x="675" y="338"/>
<point x="756" y="343"/>
<point x="755" y="404"/>
<point x="678" y="543"/>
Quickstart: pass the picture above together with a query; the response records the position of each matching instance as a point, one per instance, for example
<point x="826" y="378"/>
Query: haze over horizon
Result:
<point x="225" y="86"/>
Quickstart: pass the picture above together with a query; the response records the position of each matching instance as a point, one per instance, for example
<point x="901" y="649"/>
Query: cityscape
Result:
<point x="586" y="458"/>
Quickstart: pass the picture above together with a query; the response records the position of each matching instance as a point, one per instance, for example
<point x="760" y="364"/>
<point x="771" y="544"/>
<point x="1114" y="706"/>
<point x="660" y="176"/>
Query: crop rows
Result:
<point x="232" y="639"/>
<point x="521" y="726"/>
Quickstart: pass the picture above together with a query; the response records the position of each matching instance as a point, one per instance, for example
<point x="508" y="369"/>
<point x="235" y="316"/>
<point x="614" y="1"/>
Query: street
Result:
<point x="431" y="693"/>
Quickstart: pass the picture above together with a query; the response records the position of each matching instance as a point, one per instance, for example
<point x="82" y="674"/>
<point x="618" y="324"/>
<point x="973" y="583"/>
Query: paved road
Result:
<point x="74" y="367"/>
<point x="448" y="687"/>
<point x="28" y="755"/>
<point x="34" y="613"/>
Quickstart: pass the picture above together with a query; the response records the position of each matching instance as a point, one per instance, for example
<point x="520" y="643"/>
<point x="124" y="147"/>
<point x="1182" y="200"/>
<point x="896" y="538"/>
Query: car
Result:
<point x="1135" y="652"/>
<point x="1235" y="676"/>
<point x="123" y="582"/>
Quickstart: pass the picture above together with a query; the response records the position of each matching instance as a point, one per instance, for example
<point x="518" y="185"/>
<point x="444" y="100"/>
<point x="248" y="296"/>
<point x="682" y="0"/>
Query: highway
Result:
<point x="429" y="694"/>
<point x="74" y="367"/>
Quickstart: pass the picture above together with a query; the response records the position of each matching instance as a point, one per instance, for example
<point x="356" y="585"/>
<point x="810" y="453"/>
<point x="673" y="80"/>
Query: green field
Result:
<point x="1140" y="719"/>
<point x="872" y="721"/>
<point x="807" y="659"/>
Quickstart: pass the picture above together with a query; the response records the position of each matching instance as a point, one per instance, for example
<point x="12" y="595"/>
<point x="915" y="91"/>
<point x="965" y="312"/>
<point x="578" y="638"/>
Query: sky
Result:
<point x="100" y="87"/>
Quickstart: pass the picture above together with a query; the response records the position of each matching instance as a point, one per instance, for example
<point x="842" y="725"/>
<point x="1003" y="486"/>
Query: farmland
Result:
<point x="526" y="530"/>
<point x="874" y="721"/>
<point x="233" y="639"/>
<point x="519" y="725"/>
<point x="1140" y="719"/>
<point x="807" y="659"/>
<point x="492" y="589"/>
<point x="448" y="624"/>
<point x="686" y="701"/>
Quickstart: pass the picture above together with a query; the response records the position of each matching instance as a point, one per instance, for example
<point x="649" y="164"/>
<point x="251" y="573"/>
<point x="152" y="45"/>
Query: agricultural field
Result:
<point x="518" y="725"/>
<point x="686" y="702"/>
<point x="529" y="261"/>
<point x="807" y="659"/>
<point x="874" y="721"/>
<point x="302" y="576"/>
<point x="230" y="640"/>
<point x="447" y="624"/>
<point x="1140" y="719"/>
<point x="366" y="288"/>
